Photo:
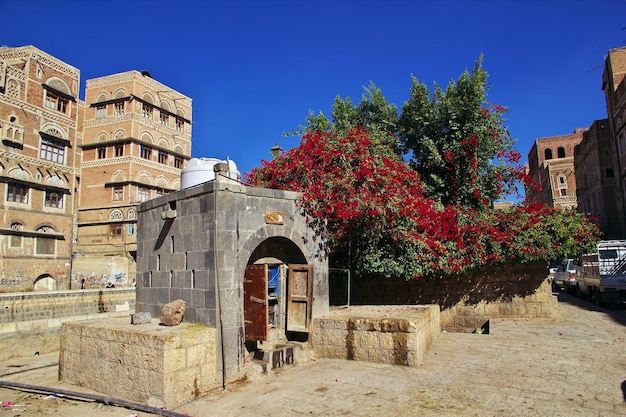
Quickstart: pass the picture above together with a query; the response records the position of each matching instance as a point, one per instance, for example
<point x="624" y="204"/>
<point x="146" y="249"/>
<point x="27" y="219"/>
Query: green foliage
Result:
<point x="357" y="192"/>
<point x="458" y="143"/>
<point x="428" y="214"/>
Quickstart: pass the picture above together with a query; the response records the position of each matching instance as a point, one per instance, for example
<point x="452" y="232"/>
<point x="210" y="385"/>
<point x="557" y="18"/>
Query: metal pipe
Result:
<point x="104" y="399"/>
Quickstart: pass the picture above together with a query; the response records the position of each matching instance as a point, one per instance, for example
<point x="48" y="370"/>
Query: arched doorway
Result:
<point x="45" y="282"/>
<point x="277" y="292"/>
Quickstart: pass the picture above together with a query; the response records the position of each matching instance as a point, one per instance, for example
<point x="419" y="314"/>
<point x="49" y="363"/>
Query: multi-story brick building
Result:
<point x="39" y="168"/>
<point x="595" y="178"/>
<point x="137" y="138"/>
<point x="73" y="172"/>
<point x="551" y="167"/>
<point x="614" y="87"/>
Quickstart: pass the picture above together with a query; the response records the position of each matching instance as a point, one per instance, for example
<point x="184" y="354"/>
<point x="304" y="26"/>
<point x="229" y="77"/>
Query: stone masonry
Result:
<point x="195" y="245"/>
<point x="399" y="335"/>
<point x="161" y="366"/>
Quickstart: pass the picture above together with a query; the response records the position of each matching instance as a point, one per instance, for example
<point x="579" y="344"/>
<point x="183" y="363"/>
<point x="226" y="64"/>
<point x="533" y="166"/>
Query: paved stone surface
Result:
<point x="574" y="365"/>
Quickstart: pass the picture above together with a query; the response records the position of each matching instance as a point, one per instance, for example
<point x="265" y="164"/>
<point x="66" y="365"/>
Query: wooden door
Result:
<point x="299" y="297"/>
<point x="255" y="302"/>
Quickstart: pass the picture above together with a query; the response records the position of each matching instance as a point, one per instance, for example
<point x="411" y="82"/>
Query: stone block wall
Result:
<point x="398" y="335"/>
<point x="150" y="364"/>
<point x="466" y="301"/>
<point x="195" y="244"/>
<point x="31" y="322"/>
<point x="28" y="306"/>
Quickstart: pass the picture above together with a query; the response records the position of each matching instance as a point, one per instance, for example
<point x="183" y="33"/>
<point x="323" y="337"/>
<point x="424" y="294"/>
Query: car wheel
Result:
<point x="579" y="293"/>
<point x="597" y="297"/>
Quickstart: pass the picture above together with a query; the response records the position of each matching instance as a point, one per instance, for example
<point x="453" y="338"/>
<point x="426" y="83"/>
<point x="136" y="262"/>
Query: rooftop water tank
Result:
<point x="199" y="170"/>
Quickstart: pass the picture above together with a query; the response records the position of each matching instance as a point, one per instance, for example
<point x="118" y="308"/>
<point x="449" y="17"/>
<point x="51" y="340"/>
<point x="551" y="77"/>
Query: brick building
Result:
<point x="595" y="178"/>
<point x="137" y="138"/>
<point x="73" y="172"/>
<point x="39" y="168"/>
<point x="551" y="166"/>
<point x="614" y="87"/>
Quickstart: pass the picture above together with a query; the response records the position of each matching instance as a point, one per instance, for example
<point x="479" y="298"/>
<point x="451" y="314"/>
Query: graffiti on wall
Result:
<point x="94" y="280"/>
<point x="12" y="282"/>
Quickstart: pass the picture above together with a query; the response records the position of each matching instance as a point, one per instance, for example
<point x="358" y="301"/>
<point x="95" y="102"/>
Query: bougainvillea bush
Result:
<point x="358" y="192"/>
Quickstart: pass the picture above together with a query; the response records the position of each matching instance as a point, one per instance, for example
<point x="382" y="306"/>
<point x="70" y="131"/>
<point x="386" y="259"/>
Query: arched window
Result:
<point x="16" y="240"/>
<point x="561" y="152"/>
<point x="562" y="185"/>
<point x="45" y="245"/>
<point x="102" y="97"/>
<point x="547" y="154"/>
<point x="116" y="215"/>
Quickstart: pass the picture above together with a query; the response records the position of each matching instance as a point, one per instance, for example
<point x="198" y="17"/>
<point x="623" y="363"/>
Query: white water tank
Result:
<point x="199" y="170"/>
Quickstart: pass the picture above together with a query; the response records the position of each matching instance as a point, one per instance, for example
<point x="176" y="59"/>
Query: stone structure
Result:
<point x="243" y="260"/>
<point x="39" y="166"/>
<point x="596" y="185"/>
<point x="31" y="322"/>
<point x="468" y="301"/>
<point x="151" y="364"/>
<point x="614" y="87"/>
<point x="399" y="335"/>
<point x="551" y="166"/>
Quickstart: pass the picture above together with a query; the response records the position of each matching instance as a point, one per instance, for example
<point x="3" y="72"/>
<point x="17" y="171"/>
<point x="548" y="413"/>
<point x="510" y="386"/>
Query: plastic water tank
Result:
<point x="200" y="170"/>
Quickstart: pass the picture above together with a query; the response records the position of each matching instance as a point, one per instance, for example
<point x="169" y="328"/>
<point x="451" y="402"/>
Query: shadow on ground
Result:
<point x="617" y="313"/>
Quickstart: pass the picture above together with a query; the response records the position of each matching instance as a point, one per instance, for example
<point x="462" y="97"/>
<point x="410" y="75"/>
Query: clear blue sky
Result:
<point x="254" y="69"/>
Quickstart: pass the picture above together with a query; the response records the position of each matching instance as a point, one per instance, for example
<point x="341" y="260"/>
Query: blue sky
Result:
<point x="255" y="69"/>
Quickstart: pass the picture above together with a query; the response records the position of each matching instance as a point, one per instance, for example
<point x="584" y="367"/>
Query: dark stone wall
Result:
<point x="195" y="244"/>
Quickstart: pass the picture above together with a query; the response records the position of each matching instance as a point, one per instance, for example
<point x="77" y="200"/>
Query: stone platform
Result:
<point x="149" y="364"/>
<point x="384" y="334"/>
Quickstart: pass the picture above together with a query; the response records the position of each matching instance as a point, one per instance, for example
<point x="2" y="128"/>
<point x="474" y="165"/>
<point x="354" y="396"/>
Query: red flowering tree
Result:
<point x="357" y="191"/>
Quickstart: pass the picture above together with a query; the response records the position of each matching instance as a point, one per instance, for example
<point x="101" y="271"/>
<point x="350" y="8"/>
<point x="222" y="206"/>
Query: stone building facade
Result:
<point x="614" y="87"/>
<point x="137" y="138"/>
<point x="596" y="179"/>
<point x="73" y="172"/>
<point x="39" y="168"/>
<point x="551" y="167"/>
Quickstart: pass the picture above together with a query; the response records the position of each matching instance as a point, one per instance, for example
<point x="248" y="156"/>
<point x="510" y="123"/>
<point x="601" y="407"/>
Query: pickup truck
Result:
<point x="602" y="274"/>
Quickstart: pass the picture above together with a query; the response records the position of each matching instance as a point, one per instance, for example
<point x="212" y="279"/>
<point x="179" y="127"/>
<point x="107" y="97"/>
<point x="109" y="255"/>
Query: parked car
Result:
<point x="553" y="266"/>
<point x="565" y="276"/>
